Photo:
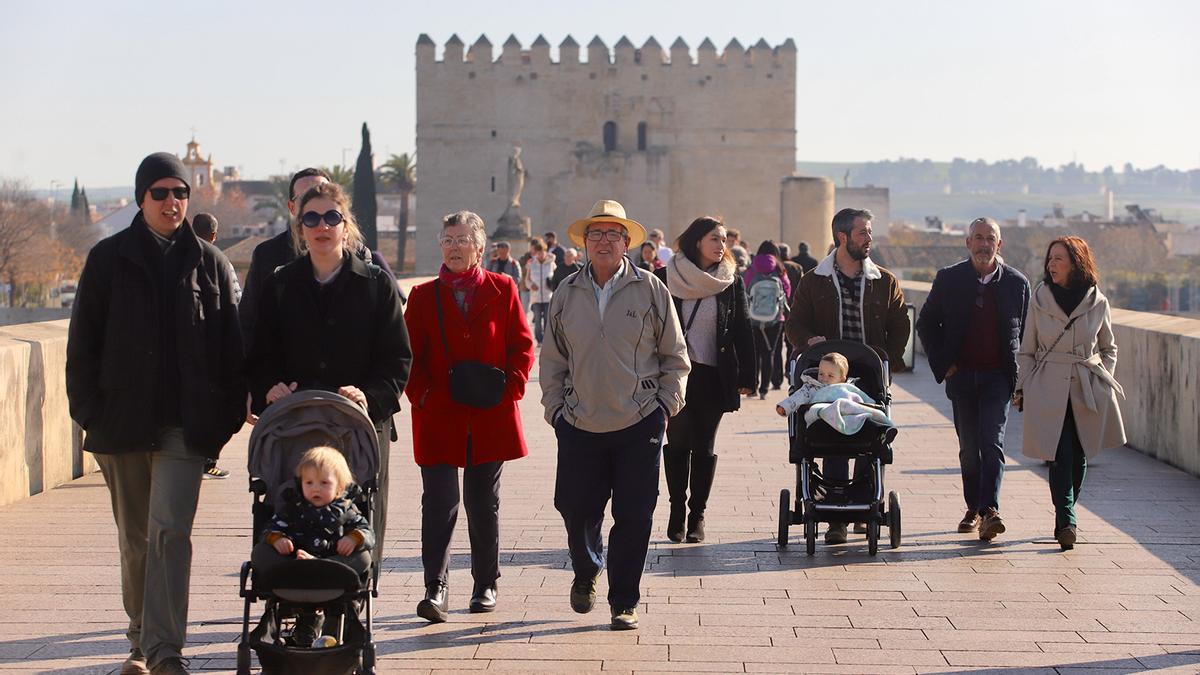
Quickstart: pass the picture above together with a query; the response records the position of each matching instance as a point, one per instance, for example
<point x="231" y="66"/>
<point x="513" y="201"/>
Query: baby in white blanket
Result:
<point x="835" y="399"/>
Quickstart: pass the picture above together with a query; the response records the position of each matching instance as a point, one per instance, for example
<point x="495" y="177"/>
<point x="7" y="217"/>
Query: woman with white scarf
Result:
<point x="710" y="299"/>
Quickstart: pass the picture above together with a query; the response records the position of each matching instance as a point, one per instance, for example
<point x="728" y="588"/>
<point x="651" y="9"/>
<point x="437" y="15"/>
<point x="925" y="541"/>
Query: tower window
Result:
<point x="493" y="183"/>
<point x="610" y="136"/>
<point x="641" y="135"/>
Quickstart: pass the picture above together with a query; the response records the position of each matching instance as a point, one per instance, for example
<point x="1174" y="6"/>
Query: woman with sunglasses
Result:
<point x="466" y="314"/>
<point x="328" y="320"/>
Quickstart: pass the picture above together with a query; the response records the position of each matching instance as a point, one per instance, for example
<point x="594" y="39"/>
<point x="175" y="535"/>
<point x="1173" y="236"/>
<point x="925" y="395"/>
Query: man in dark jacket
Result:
<point x="971" y="326"/>
<point x="849" y="297"/>
<point x="281" y="250"/>
<point x="569" y="266"/>
<point x="803" y="258"/>
<point x="154" y="358"/>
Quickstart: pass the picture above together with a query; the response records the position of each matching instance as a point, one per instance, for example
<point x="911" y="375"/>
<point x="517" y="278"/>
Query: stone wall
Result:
<point x="719" y="133"/>
<point x="40" y="446"/>
<point x="1158" y="366"/>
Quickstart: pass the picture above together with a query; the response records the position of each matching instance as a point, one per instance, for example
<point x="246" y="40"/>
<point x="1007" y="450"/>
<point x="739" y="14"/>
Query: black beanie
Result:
<point x="156" y="167"/>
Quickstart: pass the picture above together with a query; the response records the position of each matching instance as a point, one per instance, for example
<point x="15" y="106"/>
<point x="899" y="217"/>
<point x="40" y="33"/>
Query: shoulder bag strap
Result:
<point x="692" y="317"/>
<point x="437" y="301"/>
<point x="1054" y="344"/>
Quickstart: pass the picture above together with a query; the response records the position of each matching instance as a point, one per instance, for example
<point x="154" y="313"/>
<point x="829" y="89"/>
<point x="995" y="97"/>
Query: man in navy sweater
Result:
<point x="971" y="327"/>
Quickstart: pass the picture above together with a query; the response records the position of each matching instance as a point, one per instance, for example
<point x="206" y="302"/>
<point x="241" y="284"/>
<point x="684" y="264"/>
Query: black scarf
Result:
<point x="1068" y="298"/>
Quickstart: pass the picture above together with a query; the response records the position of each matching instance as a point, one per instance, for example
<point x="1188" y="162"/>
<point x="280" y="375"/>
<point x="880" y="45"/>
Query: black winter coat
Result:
<point x="945" y="317"/>
<point x="736" y="364"/>
<point x="354" y="335"/>
<point x="270" y="256"/>
<point x="115" y="335"/>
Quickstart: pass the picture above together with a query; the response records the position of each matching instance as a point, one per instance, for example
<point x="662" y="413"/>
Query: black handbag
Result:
<point x="472" y="383"/>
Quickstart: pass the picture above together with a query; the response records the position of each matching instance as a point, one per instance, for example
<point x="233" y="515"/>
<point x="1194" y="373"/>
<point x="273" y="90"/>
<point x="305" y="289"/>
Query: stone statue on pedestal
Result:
<point x="514" y="226"/>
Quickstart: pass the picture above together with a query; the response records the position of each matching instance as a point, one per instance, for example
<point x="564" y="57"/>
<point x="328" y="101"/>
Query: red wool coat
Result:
<point x="496" y="333"/>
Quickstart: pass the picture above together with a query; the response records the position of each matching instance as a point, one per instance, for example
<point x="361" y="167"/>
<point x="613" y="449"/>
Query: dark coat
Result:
<point x="115" y="335"/>
<point x="736" y="364"/>
<point x="317" y="529"/>
<point x="270" y="256"/>
<point x="805" y="261"/>
<point x="561" y="272"/>
<point x="358" y="339"/>
<point x="944" y="322"/>
<point x="497" y="333"/>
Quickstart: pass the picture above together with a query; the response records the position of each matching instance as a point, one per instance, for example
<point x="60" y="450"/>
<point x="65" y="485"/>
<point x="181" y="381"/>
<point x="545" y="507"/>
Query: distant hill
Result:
<point x="95" y="195"/>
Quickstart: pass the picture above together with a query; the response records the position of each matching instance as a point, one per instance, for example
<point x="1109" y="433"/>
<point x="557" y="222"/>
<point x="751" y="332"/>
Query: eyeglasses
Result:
<point x="461" y="242"/>
<point x="159" y="194"/>
<point x="611" y="236"/>
<point x="332" y="218"/>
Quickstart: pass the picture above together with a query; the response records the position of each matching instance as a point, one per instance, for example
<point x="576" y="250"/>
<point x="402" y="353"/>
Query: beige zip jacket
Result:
<point x="607" y="373"/>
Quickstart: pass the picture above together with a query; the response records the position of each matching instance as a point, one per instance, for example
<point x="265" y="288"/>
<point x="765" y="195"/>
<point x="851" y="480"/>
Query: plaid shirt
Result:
<point x="852" y="324"/>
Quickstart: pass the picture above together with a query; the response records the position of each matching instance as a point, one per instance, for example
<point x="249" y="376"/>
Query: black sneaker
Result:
<point x="583" y="594"/>
<point x="308" y="627"/>
<point x="214" y="471"/>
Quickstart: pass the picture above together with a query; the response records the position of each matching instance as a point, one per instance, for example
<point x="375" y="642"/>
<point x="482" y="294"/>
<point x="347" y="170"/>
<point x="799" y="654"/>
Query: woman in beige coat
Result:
<point x="1065" y="376"/>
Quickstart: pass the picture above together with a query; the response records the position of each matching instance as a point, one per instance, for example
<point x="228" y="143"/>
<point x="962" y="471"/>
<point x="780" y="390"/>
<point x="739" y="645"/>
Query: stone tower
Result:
<point x="670" y="137"/>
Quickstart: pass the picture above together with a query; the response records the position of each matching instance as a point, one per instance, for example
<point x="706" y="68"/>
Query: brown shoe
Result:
<point x="969" y="522"/>
<point x="990" y="525"/>
<point x="135" y="664"/>
<point x="172" y="665"/>
<point x="1066" y="537"/>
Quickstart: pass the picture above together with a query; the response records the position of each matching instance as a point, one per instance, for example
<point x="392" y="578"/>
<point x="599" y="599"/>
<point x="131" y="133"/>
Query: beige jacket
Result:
<point x="1080" y="368"/>
<point x="607" y="374"/>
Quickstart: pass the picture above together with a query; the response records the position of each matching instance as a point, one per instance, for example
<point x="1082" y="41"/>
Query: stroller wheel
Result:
<point x="894" y="519"/>
<point x="368" y="660"/>
<point x="785" y="518"/>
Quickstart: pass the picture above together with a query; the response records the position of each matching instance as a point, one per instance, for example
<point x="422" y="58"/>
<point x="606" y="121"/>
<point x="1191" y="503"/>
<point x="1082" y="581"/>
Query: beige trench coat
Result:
<point x="1081" y="367"/>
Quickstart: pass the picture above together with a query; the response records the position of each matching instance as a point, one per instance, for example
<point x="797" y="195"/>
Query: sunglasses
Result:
<point x="331" y="217"/>
<point x="158" y="194"/>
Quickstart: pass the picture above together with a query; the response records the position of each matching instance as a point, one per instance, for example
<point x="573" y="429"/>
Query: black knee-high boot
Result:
<point x="675" y="466"/>
<point x="704" y="467"/>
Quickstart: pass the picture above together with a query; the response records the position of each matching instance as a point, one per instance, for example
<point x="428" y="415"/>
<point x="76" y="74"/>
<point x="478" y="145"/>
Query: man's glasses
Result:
<point x="332" y="218"/>
<point x="611" y="236"/>
<point x="461" y="242"/>
<point x="159" y="194"/>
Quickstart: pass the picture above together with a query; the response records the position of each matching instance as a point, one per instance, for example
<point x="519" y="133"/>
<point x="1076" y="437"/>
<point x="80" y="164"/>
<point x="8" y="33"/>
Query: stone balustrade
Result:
<point x="1158" y="366"/>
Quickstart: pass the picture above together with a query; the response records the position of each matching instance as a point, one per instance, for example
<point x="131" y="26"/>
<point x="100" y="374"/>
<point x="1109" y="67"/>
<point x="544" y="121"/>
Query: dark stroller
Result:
<point x="285" y="431"/>
<point x="860" y="498"/>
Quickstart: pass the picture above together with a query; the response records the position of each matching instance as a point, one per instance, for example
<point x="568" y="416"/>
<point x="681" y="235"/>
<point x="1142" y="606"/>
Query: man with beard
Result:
<point x="848" y="297"/>
<point x="971" y="326"/>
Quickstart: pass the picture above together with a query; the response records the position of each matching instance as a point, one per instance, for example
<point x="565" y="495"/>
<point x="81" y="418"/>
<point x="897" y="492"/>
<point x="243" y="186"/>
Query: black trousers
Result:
<point x="766" y="343"/>
<point x="439" y="514"/>
<point x="592" y="467"/>
<point x="689" y="456"/>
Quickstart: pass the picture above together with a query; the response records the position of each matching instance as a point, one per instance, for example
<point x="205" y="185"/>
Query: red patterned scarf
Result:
<point x="462" y="282"/>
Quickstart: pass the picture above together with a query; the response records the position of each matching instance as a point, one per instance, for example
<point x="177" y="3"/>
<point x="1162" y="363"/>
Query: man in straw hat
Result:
<point x="613" y="368"/>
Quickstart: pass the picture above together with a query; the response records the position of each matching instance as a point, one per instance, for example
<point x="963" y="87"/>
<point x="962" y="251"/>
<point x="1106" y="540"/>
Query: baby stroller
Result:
<point x="824" y="500"/>
<point x="287" y="429"/>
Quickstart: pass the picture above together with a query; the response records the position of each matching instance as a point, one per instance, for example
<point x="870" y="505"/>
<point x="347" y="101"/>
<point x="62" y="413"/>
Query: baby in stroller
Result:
<point x="318" y="520"/>
<point x="835" y="398"/>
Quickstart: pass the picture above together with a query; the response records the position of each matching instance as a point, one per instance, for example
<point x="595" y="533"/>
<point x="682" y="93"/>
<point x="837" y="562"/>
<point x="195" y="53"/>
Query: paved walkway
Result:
<point x="1125" y="600"/>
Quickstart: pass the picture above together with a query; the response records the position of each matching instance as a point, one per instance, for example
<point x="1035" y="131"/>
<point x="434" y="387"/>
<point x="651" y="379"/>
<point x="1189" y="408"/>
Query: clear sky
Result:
<point x="91" y="87"/>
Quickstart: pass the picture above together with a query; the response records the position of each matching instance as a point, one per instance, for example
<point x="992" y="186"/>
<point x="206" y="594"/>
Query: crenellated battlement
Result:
<point x="623" y="53"/>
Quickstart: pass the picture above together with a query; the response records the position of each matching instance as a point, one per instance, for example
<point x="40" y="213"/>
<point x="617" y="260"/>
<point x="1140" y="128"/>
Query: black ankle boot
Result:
<point x="675" y="466"/>
<point x="703" y="470"/>
<point x="436" y="606"/>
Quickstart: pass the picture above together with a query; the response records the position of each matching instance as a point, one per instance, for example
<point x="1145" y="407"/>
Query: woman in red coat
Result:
<point x="481" y="320"/>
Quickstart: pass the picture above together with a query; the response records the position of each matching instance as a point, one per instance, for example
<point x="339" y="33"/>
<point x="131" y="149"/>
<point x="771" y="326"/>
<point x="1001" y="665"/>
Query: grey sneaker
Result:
<point x="135" y="664"/>
<point x="836" y="534"/>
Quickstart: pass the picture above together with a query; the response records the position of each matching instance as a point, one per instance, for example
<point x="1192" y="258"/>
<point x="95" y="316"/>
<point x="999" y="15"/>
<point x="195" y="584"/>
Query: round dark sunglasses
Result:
<point x="331" y="217"/>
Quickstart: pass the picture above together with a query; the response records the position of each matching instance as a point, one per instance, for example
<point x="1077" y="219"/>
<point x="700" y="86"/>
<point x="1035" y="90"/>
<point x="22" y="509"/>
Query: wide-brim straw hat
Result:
<point x="607" y="211"/>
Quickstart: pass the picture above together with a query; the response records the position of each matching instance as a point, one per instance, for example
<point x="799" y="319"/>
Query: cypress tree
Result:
<point x="75" y="197"/>
<point x="364" y="192"/>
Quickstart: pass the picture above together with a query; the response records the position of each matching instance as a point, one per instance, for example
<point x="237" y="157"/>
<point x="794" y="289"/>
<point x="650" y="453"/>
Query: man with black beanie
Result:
<point x="154" y="359"/>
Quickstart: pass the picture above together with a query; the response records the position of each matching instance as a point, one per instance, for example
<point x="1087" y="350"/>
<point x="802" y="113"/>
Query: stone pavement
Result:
<point x="1125" y="600"/>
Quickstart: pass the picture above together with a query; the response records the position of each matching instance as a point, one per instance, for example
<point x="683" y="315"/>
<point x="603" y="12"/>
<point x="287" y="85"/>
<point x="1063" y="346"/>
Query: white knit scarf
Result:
<point x="688" y="282"/>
